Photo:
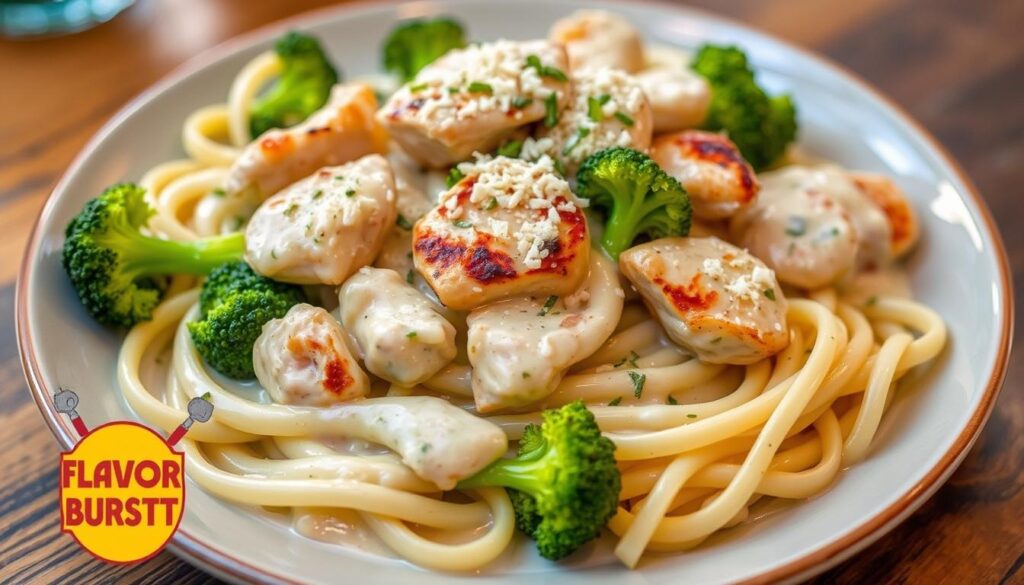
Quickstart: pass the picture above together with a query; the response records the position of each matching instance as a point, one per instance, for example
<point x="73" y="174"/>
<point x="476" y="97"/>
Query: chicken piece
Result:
<point x="710" y="168"/>
<point x="343" y="130"/>
<point x="713" y="299"/>
<point x="325" y="227"/>
<point x="471" y="99"/>
<point x="608" y="109"/>
<point x="521" y="347"/>
<point x="401" y="336"/>
<point x="509" y="227"/>
<point x="302" y="359"/>
<point x="679" y="98"/>
<point x="596" y="39"/>
<point x="798" y="228"/>
<point x="903" y="222"/>
<point x="438" y="440"/>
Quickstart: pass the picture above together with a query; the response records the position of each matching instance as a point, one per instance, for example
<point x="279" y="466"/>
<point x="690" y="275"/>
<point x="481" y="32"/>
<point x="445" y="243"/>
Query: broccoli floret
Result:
<point x="414" y="44"/>
<point x="303" y="87"/>
<point x="761" y="126"/>
<point x="115" y="268"/>
<point x="638" y="198"/>
<point x="234" y="277"/>
<point x="564" y="483"/>
<point x="234" y="304"/>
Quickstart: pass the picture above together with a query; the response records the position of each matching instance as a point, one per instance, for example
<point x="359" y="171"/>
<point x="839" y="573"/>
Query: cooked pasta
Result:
<point x="698" y="440"/>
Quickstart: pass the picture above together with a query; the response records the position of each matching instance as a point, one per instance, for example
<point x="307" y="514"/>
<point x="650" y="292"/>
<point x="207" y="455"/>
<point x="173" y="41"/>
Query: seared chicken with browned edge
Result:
<point x="509" y="227"/>
<point x="325" y="227"/>
<point x="471" y="99"/>
<point x="400" y="333"/>
<point x="343" y="130"/>
<point x="710" y="168"/>
<point x="713" y="299"/>
<point x="302" y="359"/>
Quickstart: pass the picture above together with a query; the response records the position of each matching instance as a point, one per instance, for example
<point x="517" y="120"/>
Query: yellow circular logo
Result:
<point x="122" y="491"/>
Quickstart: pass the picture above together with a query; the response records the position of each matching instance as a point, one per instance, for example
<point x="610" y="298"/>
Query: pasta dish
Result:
<point x="563" y="287"/>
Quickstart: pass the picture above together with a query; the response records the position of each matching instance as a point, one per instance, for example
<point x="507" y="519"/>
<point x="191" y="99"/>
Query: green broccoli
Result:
<point x="304" y="86"/>
<point x="414" y="44"/>
<point x="761" y="126"/>
<point x="636" y="195"/>
<point x="115" y="268"/>
<point x="564" y="483"/>
<point x="234" y="277"/>
<point x="234" y="303"/>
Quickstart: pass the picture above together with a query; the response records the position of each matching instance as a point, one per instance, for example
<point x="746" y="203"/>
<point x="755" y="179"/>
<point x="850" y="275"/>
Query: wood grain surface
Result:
<point x="955" y="65"/>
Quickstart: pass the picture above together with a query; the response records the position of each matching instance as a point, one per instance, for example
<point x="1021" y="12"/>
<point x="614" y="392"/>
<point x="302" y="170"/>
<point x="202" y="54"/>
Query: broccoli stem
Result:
<point x="621" y="227"/>
<point x="520" y="473"/>
<point x="144" y="255"/>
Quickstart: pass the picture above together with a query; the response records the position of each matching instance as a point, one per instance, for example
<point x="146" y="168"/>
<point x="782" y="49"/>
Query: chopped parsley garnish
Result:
<point x="575" y="140"/>
<point x="519" y="102"/>
<point x="424" y="447"/>
<point x="604" y="99"/>
<point x="631" y="359"/>
<point x="769" y="294"/>
<point x="480" y="87"/>
<point x="624" y="119"/>
<point x="615" y="401"/>
<point x="545" y="70"/>
<point x="491" y="204"/>
<point x="548" y="305"/>
<point x="318" y="194"/>
<point x="511" y="149"/>
<point x="409" y="276"/>
<point x="551" y="110"/>
<point x="462" y="223"/>
<point x="402" y="222"/>
<point x="218" y="192"/>
<point x="716" y="340"/>
<point x="671" y="400"/>
<point x="418" y="87"/>
<point x="638" y="383"/>
<point x="290" y="210"/>
<point x="559" y="167"/>
<point x="872" y="301"/>
<point x="796" y="226"/>
<point x="453" y="90"/>
<point x="691" y="415"/>
<point x="350" y="192"/>
<point x="526" y="375"/>
<point x="411" y="334"/>
<point x="454" y="176"/>
<point x="594" y="109"/>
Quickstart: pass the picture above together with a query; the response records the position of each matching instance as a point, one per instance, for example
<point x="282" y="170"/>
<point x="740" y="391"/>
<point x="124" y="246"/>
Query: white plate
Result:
<point x="959" y="269"/>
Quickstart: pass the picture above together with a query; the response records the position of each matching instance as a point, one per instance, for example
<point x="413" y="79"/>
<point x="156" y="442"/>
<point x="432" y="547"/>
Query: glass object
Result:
<point x="33" y="18"/>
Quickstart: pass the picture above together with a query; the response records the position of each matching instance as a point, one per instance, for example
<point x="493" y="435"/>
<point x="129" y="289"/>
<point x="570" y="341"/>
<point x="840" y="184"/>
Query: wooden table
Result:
<point x="957" y="66"/>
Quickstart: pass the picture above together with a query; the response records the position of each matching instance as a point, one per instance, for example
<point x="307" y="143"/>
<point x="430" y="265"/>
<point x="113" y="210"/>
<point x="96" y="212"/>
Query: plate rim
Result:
<point x="212" y="558"/>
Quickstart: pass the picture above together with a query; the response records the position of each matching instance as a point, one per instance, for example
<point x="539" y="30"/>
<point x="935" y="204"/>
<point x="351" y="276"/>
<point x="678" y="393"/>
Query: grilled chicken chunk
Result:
<point x="343" y="130"/>
<point x="325" y="227"/>
<point x="521" y="347"/>
<point x="710" y="168"/>
<point x="596" y="39"/>
<point x="509" y="227"/>
<point x="302" y="359"/>
<point x="903" y="224"/>
<point x="799" y="227"/>
<point x="471" y="99"/>
<point x="608" y="109"/>
<point x="401" y="336"/>
<point x="679" y="98"/>
<point x="713" y="299"/>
